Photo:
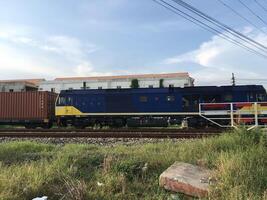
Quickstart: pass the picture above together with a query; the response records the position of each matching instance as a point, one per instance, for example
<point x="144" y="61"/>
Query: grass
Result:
<point x="78" y="172"/>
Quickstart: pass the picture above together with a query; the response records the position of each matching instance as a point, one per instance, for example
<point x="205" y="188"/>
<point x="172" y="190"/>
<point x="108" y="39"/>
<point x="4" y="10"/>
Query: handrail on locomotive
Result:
<point x="232" y="114"/>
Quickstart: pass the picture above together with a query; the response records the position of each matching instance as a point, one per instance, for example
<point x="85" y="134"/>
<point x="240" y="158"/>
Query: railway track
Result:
<point x="109" y="133"/>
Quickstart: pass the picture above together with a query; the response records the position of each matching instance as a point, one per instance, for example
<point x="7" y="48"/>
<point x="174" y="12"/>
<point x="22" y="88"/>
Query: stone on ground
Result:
<point x="187" y="179"/>
<point x="41" y="198"/>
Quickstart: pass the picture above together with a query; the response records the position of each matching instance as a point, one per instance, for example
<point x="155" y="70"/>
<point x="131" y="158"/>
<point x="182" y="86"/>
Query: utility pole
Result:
<point x="233" y="79"/>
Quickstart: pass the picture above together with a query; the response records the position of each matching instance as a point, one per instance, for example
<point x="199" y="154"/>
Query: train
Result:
<point x="147" y="107"/>
<point x="136" y="107"/>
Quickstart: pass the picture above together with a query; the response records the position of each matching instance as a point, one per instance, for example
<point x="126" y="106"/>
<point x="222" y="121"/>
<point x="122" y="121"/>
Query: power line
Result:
<point x="255" y="14"/>
<point x="260" y="5"/>
<point x="207" y="27"/>
<point x="221" y="25"/>
<point x="241" y="16"/>
<point x="187" y="17"/>
<point x="252" y="79"/>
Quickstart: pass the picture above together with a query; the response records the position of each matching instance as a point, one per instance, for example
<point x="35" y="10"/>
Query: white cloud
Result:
<point x="86" y="69"/>
<point x="69" y="47"/>
<point x="14" y="63"/>
<point x="218" y="58"/>
<point x="16" y="34"/>
<point x="25" y="56"/>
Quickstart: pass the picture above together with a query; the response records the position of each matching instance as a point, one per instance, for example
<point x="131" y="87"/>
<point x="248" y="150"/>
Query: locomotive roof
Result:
<point x="186" y="89"/>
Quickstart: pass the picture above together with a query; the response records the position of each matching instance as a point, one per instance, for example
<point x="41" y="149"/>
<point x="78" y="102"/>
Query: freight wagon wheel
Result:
<point x="30" y="126"/>
<point x="47" y="126"/>
<point x="62" y="123"/>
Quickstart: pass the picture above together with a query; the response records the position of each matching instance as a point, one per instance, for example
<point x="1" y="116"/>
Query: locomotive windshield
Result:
<point x="64" y="101"/>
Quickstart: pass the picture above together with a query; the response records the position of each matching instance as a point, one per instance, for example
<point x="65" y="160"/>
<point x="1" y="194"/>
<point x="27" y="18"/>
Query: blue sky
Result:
<point x="55" y="38"/>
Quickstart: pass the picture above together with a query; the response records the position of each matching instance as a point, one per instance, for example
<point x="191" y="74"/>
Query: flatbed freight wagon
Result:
<point x="30" y="109"/>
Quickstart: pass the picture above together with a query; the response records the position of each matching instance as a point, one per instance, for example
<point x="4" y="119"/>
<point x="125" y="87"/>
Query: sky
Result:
<point x="63" y="38"/>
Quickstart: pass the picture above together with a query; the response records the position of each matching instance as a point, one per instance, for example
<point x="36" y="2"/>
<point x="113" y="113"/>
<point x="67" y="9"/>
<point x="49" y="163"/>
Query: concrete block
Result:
<point x="186" y="178"/>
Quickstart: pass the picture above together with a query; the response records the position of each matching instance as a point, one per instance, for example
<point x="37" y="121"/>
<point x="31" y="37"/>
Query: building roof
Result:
<point x="23" y="81"/>
<point x="26" y="83"/>
<point x="138" y="76"/>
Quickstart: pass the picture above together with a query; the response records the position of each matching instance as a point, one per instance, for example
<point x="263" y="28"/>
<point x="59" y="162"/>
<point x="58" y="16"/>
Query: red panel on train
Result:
<point x="216" y="106"/>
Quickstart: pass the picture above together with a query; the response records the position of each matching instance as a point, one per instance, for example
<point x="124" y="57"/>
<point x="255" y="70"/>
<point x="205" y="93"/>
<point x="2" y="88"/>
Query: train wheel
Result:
<point x="79" y="126"/>
<point x="47" y="125"/>
<point x="30" y="126"/>
<point x="62" y="123"/>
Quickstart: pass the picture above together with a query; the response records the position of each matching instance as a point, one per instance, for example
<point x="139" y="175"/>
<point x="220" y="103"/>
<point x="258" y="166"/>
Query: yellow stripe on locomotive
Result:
<point x="67" y="111"/>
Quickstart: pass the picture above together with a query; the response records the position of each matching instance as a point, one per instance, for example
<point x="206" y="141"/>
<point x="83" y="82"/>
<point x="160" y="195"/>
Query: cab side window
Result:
<point x="185" y="101"/>
<point x="69" y="101"/>
<point x="62" y="101"/>
<point x="261" y="97"/>
<point x="228" y="98"/>
<point x="170" y="98"/>
<point x="143" y="99"/>
<point x="250" y="97"/>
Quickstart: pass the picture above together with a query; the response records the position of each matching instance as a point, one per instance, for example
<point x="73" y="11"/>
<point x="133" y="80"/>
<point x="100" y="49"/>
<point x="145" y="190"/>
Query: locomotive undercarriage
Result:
<point x="133" y="121"/>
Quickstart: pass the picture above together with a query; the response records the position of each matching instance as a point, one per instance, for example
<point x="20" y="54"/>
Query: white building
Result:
<point x="20" y="85"/>
<point x="125" y="81"/>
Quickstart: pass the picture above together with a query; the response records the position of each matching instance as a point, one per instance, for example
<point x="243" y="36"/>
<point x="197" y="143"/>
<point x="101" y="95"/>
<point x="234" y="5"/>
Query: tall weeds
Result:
<point x="28" y="169"/>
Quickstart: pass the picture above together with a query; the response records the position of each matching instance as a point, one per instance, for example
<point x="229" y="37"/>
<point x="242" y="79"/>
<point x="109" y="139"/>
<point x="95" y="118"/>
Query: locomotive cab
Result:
<point x="65" y="111"/>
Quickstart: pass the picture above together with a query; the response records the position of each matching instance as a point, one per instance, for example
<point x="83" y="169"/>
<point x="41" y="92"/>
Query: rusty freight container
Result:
<point x="32" y="109"/>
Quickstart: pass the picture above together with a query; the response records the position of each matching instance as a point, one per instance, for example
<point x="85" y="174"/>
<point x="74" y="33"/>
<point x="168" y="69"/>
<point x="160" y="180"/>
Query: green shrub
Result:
<point x="242" y="173"/>
<point x="135" y="83"/>
<point x="129" y="167"/>
<point x="17" y="152"/>
<point x="79" y="161"/>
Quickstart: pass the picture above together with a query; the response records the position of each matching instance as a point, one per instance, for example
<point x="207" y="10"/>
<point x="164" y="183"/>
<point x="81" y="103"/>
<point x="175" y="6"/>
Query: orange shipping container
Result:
<point x="19" y="107"/>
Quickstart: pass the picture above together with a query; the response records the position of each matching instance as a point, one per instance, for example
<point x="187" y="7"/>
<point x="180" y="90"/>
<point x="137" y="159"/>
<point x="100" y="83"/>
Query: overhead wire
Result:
<point x="241" y="16"/>
<point x="252" y="79"/>
<point x="260" y="5"/>
<point x="221" y="25"/>
<point x="207" y="27"/>
<point x="252" y="12"/>
<point x="187" y="17"/>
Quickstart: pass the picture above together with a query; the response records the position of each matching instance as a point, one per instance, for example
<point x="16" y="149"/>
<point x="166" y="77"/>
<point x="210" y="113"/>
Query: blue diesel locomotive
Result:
<point x="143" y="107"/>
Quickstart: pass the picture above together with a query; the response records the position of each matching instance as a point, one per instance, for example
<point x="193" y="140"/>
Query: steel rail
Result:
<point x="101" y="134"/>
<point x="124" y="130"/>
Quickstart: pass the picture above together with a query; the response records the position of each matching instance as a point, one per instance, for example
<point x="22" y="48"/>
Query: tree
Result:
<point x="161" y="85"/>
<point x="135" y="83"/>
